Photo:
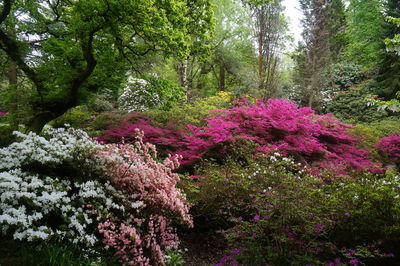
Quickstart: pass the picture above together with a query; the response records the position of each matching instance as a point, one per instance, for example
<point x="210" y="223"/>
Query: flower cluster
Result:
<point x="55" y="147"/>
<point x="63" y="186"/>
<point x="136" y="96"/>
<point x="149" y="92"/>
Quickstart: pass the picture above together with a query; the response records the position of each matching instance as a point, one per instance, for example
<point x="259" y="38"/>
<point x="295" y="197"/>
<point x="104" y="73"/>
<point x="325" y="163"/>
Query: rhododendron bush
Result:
<point x="321" y="141"/>
<point x="63" y="186"/>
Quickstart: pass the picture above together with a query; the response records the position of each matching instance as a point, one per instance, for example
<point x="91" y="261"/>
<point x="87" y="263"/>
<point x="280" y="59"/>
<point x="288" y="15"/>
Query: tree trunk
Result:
<point x="221" y="76"/>
<point x="36" y="124"/>
<point x="41" y="118"/>
<point x="182" y="70"/>
<point x="12" y="73"/>
<point x="260" y="61"/>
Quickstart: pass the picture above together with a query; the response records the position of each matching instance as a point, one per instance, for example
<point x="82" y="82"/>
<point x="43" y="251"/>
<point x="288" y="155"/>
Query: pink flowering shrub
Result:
<point x="140" y="248"/>
<point x="391" y="147"/>
<point x="318" y="140"/>
<point x="166" y="138"/>
<point x="133" y="170"/>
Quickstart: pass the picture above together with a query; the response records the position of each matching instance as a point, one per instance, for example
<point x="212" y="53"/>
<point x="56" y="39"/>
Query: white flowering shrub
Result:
<point x="63" y="187"/>
<point x="143" y="94"/>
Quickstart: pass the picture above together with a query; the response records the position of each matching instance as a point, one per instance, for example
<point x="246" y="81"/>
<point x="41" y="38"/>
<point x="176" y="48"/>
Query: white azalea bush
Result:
<point x="61" y="187"/>
<point x="142" y="94"/>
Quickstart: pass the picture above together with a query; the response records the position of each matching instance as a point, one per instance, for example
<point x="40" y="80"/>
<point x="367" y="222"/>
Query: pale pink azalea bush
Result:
<point x="136" y="247"/>
<point x="132" y="169"/>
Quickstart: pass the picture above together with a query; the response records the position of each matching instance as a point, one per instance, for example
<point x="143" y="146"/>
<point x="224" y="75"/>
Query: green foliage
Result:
<point x="78" y="117"/>
<point x="350" y="105"/>
<point x="371" y="133"/>
<point x="393" y="45"/>
<point x="222" y="191"/>
<point x="258" y="2"/>
<point x="6" y="136"/>
<point x="365" y="33"/>
<point x="82" y="47"/>
<point x="389" y="69"/>
<point x="340" y="77"/>
<point x="299" y="219"/>
<point x="390" y="105"/>
<point x="174" y="258"/>
<point x="106" y="119"/>
<point x="193" y="113"/>
<point x="170" y="94"/>
<point x="103" y="102"/>
<point x="22" y="253"/>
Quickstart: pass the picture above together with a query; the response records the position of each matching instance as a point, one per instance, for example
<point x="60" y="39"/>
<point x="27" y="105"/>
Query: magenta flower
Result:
<point x="347" y="214"/>
<point x="256" y="218"/>
<point x="353" y="262"/>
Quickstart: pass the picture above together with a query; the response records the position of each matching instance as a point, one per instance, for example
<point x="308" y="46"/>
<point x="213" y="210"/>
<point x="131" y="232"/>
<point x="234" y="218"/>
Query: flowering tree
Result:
<point x="143" y="94"/>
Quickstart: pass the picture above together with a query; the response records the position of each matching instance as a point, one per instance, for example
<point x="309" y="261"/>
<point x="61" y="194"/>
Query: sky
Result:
<point x="294" y="14"/>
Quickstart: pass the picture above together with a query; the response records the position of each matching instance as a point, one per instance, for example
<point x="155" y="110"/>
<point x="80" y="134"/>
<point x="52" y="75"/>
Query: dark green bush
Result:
<point x="273" y="213"/>
<point x="350" y="105"/>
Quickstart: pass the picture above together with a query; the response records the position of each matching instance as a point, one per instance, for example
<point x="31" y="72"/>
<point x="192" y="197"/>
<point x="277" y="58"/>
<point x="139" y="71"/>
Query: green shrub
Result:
<point x="221" y="191"/>
<point x="6" y="136"/>
<point x="301" y="220"/>
<point x="193" y="113"/>
<point x="106" y="119"/>
<point x="102" y="103"/>
<point x="350" y="105"/>
<point x="273" y="213"/>
<point x="78" y="117"/>
<point x="22" y="253"/>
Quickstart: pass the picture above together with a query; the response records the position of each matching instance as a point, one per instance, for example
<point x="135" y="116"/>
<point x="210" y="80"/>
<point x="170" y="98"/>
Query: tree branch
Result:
<point x="6" y="10"/>
<point x="11" y="48"/>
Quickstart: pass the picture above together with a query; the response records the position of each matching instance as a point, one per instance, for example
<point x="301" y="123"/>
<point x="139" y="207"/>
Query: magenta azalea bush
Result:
<point x="320" y="141"/>
<point x="166" y="138"/>
<point x="390" y="146"/>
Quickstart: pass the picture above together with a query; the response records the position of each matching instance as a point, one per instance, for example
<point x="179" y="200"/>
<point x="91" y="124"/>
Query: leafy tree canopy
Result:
<point x="70" y="48"/>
